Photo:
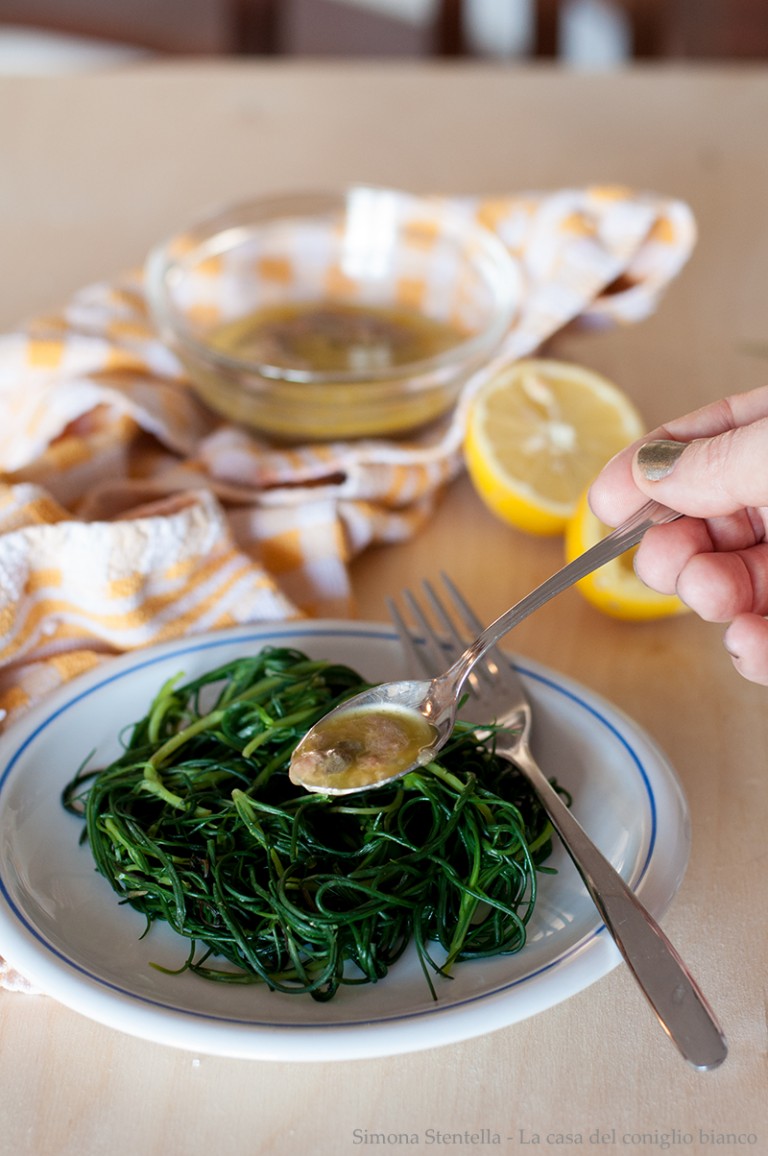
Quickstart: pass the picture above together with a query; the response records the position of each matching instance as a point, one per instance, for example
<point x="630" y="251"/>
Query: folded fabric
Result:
<point x="129" y="514"/>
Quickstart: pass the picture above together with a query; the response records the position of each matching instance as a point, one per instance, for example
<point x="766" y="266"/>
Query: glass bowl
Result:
<point x="333" y="315"/>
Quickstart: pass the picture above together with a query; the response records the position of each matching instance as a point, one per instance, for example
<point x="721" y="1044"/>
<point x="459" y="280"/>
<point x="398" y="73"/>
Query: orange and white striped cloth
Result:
<point x="129" y="514"/>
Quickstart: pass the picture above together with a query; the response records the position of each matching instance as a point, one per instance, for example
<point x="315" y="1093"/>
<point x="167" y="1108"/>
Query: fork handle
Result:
<point x="665" y="980"/>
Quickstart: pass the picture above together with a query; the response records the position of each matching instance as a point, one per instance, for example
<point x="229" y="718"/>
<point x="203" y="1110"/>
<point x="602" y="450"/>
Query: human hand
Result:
<point x="711" y="465"/>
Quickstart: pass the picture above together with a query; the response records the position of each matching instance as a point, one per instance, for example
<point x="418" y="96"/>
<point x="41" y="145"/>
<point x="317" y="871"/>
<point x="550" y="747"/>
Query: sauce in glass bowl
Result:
<point x="329" y="336"/>
<point x="317" y="316"/>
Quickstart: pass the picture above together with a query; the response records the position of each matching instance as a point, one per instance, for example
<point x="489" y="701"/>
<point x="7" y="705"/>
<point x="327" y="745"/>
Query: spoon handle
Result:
<point x="623" y="538"/>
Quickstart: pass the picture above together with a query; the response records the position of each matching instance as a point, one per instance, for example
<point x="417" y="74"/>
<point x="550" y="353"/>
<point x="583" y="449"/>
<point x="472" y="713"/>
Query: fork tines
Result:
<point x="434" y="647"/>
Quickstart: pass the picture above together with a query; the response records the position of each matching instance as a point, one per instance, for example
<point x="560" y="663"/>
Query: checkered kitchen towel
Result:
<point x="130" y="515"/>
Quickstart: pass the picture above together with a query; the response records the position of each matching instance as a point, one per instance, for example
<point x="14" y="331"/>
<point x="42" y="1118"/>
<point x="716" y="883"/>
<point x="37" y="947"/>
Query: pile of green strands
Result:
<point x="197" y="824"/>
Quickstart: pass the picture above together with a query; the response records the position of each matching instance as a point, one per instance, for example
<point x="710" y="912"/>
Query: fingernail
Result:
<point x="656" y="460"/>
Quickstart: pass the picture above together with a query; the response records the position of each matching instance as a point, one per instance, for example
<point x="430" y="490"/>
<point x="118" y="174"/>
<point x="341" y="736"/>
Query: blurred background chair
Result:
<point x="667" y="29"/>
<point x="586" y="33"/>
<point x="636" y="29"/>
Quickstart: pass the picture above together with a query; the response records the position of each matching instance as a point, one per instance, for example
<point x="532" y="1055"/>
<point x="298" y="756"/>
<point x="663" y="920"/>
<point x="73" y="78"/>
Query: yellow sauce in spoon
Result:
<point x="360" y="748"/>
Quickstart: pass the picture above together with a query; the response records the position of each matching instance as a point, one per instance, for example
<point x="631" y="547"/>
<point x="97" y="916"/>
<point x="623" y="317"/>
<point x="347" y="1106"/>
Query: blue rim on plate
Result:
<point x="62" y="926"/>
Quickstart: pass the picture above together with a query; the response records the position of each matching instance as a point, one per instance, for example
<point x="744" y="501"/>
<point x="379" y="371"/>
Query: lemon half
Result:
<point x="614" y="588"/>
<point x="538" y="433"/>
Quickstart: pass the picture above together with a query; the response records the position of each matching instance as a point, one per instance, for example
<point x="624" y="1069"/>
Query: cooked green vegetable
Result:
<point x="198" y="824"/>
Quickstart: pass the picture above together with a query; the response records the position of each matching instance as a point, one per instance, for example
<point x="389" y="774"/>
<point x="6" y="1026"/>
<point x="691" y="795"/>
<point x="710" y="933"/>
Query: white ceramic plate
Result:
<point x="61" y="924"/>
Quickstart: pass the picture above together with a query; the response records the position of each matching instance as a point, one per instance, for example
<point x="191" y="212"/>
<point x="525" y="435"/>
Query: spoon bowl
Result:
<point x="387" y="731"/>
<point x="374" y="738"/>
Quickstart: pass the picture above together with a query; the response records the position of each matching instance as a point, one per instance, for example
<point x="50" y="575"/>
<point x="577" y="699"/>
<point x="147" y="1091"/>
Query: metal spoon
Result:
<point x="386" y="731"/>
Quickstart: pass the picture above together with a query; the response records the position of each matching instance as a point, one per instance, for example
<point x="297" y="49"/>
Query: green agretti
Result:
<point x="197" y="824"/>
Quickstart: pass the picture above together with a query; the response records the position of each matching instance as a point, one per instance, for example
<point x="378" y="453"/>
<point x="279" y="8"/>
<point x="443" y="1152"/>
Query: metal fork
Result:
<point x="497" y="695"/>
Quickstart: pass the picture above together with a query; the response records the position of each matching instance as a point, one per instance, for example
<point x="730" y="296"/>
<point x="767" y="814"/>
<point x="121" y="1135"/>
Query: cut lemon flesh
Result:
<point x="614" y="588"/>
<point x="538" y="433"/>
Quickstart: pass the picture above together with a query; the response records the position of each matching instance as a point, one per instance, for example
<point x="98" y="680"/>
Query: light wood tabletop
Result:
<point x="97" y="168"/>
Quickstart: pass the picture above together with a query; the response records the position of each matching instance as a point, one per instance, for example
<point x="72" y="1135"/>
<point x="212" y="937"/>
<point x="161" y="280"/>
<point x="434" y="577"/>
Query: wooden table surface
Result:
<point x="94" y="170"/>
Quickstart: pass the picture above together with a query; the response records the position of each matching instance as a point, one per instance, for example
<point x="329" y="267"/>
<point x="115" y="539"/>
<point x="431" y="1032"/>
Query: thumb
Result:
<point x="709" y="476"/>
